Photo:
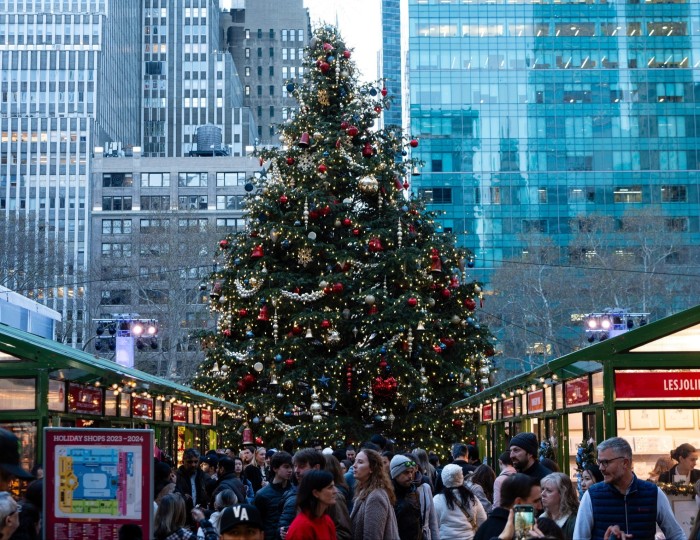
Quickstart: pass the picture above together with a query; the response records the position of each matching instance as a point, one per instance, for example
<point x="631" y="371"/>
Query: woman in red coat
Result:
<point x="316" y="493"/>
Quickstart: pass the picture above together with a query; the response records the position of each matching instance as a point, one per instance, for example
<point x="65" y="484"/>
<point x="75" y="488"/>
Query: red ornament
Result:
<point x="446" y="293"/>
<point x="383" y="364"/>
<point x="377" y="109"/>
<point x="241" y="387"/>
<point x="470" y="304"/>
<point x="384" y="388"/>
<point x="338" y="287"/>
<point x="413" y="143"/>
<point x="296" y="329"/>
<point x="289" y="362"/>
<point x="259" y="441"/>
<point x="227" y="332"/>
<point x="347" y="222"/>
<point x="375" y="245"/>
<point x="322" y="168"/>
<point x="436" y="263"/>
<point x="412" y="301"/>
<point x="249" y="379"/>
<point x="344" y="125"/>
<point x="356" y="232"/>
<point x="367" y="151"/>
<point x="457" y="423"/>
<point x="257" y="252"/>
<point x="314" y="214"/>
<point x="325" y="324"/>
<point x="223" y="244"/>
<point x="263" y="315"/>
<point x="324" y="67"/>
<point x="352" y="131"/>
<point x="346" y="54"/>
<point x="290" y="160"/>
<point x="327" y="47"/>
<point x="384" y="91"/>
<point x="284" y="199"/>
<point x="406" y="184"/>
<point x="242" y="312"/>
<point x="326" y="210"/>
<point x="448" y="342"/>
<point x="373" y="310"/>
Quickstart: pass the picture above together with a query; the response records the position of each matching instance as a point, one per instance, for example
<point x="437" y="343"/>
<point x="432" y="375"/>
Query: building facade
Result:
<point x="391" y="60"/>
<point x="189" y="81"/>
<point x="532" y="114"/>
<point x="156" y="224"/>
<point x="69" y="81"/>
<point x="267" y="44"/>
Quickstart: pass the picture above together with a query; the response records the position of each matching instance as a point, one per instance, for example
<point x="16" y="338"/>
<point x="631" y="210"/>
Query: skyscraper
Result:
<point x="533" y="113"/>
<point x="391" y="59"/>
<point x="70" y="78"/>
<point x="267" y="40"/>
<point x="189" y="81"/>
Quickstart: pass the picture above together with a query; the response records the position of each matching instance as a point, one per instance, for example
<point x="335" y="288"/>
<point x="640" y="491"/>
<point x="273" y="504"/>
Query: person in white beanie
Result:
<point x="459" y="512"/>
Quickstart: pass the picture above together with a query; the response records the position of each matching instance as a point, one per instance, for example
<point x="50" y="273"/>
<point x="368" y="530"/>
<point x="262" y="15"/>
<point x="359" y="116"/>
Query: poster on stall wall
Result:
<point x="96" y="480"/>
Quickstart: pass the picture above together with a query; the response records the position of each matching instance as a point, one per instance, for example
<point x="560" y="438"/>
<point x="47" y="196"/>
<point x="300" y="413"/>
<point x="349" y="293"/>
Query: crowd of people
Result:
<point x="379" y="492"/>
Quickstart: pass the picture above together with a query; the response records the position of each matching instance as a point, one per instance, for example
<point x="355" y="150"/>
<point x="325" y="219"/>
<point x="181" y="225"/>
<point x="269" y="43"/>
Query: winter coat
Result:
<point x="454" y="525"/>
<point x="373" y="518"/>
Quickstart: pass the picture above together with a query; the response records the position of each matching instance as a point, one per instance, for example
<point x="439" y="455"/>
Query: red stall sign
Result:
<point x="508" y="408"/>
<point x="142" y="407"/>
<point x="657" y="384"/>
<point x="535" y="402"/>
<point x="84" y="399"/>
<point x="577" y="392"/>
<point x="487" y="413"/>
<point x="207" y="417"/>
<point x="95" y="481"/>
<point x="179" y="413"/>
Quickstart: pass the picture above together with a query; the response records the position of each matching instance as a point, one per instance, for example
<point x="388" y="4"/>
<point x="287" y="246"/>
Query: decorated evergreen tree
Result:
<point x="342" y="310"/>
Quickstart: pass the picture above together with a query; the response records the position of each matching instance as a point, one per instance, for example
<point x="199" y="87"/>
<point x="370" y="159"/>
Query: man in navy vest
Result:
<point x="623" y="506"/>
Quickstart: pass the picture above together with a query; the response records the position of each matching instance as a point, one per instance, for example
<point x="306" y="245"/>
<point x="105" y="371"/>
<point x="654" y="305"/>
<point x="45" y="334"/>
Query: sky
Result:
<point x="359" y="22"/>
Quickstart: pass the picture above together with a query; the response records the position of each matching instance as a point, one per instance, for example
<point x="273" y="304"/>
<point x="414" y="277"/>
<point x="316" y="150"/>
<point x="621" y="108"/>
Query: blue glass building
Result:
<point x="391" y="59"/>
<point x="532" y="113"/>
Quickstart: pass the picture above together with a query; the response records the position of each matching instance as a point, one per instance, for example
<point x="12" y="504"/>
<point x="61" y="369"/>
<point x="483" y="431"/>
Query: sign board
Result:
<point x="578" y="392"/>
<point x="96" y="480"/>
<point x="207" y="417"/>
<point x="487" y="413"/>
<point x="535" y="402"/>
<point x="640" y="385"/>
<point x="179" y="413"/>
<point x="84" y="399"/>
<point x="508" y="408"/>
<point x="142" y="407"/>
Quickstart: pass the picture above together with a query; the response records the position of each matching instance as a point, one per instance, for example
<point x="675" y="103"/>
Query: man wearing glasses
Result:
<point x="407" y="506"/>
<point x="623" y="506"/>
<point x="9" y="515"/>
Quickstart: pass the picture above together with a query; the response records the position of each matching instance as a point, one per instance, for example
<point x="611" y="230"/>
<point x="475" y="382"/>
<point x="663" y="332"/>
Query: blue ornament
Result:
<point x="256" y="420"/>
<point x="324" y="380"/>
<point x="290" y="87"/>
<point x="470" y="320"/>
<point x="288" y="413"/>
<point x="404" y="153"/>
<point x="285" y="243"/>
<point x="249" y="187"/>
<point x="404" y="208"/>
<point x="443" y="346"/>
<point x="330" y="58"/>
<point x="297" y="223"/>
<point x="364" y="395"/>
<point x="249" y="334"/>
<point x="278" y="358"/>
<point x="382" y="350"/>
<point x="373" y="92"/>
<point x="237" y="261"/>
<point x="262" y="218"/>
<point x="470" y="263"/>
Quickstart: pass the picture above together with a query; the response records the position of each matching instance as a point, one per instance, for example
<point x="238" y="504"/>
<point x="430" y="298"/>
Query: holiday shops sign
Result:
<point x="681" y="384"/>
<point x="84" y="399"/>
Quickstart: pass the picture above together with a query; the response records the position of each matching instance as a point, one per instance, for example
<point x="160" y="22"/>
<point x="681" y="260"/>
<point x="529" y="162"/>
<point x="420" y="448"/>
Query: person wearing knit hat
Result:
<point x="407" y="506"/>
<point x="458" y="511"/>
<point x="523" y="454"/>
<point x="400" y="463"/>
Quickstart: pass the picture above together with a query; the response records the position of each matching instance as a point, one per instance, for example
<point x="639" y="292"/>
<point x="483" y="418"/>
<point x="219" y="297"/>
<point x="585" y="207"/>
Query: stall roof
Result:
<point x="22" y="354"/>
<point x="672" y="342"/>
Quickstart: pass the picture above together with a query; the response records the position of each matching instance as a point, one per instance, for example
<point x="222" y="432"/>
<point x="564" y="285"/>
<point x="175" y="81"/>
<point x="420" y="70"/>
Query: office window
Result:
<point x="284" y="35"/>
<point x="155" y="179"/>
<point x="192" y="202"/>
<point x="227" y="202"/>
<point x="631" y="194"/>
<point x="437" y="195"/>
<point x="195" y="224"/>
<point x="192" y="179"/>
<point x="674" y="193"/>
<point x="224" y="179"/>
<point x="116" y="226"/>
<point x="116" y="250"/>
<point x="117" y="180"/>
<point x="247" y="52"/>
<point x="230" y="224"/>
<point x="247" y="33"/>
<point x="535" y="225"/>
<point x="542" y="195"/>
<point x="677" y="224"/>
<point x="116" y="203"/>
<point x="115" y="297"/>
<point x="154" y="225"/>
<point x="155" y="202"/>
<point x="154" y="296"/>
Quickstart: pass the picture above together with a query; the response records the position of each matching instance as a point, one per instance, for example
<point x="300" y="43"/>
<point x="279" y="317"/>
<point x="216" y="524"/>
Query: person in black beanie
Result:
<point x="523" y="454"/>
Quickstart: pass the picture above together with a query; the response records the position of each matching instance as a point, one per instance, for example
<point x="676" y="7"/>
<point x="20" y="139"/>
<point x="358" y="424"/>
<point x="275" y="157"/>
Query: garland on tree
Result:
<point x="342" y="310"/>
<point x="586" y="454"/>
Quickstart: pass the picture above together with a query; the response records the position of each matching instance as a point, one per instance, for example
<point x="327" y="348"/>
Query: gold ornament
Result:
<point x="323" y="98"/>
<point x="305" y="256"/>
<point x="368" y="184"/>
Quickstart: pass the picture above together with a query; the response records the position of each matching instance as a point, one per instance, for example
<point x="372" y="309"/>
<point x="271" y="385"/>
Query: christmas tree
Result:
<point x="342" y="310"/>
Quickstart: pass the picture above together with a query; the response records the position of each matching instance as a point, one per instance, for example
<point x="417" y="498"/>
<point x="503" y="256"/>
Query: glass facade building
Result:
<point x="69" y="74"/>
<point x="391" y="59"/>
<point x="532" y="113"/>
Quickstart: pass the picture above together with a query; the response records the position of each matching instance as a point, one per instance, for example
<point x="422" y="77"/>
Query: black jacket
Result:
<point x="494" y="524"/>
<point x="667" y="477"/>
<point x="408" y="513"/>
<point x="230" y="481"/>
<point x="184" y="487"/>
<point x="269" y="503"/>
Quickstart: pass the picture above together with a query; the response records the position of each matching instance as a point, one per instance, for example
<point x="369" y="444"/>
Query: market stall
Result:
<point x="47" y="384"/>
